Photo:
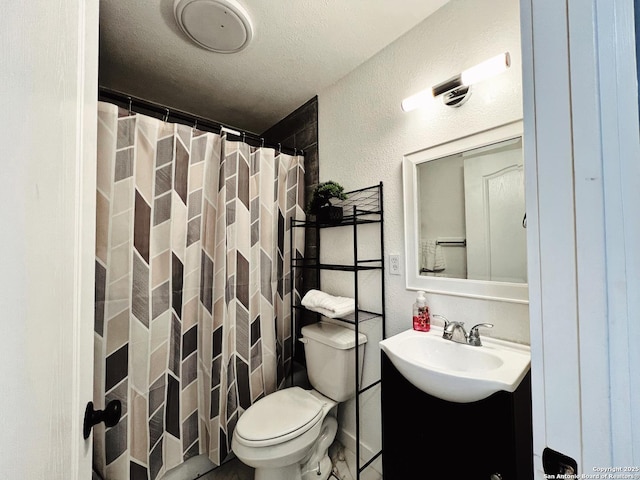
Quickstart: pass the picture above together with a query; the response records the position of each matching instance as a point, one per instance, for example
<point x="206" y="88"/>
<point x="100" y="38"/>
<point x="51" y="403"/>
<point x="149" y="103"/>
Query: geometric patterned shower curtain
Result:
<point x="192" y="313"/>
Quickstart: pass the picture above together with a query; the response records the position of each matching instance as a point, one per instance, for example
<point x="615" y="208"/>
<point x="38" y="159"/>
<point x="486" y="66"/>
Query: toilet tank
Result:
<point x="330" y="355"/>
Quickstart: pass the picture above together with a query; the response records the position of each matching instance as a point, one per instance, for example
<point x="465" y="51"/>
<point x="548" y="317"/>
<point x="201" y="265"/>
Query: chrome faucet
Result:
<point x="474" y="335"/>
<point x="450" y="328"/>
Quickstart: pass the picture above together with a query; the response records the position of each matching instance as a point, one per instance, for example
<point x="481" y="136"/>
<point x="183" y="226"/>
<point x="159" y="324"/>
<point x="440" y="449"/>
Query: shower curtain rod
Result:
<point x="152" y="109"/>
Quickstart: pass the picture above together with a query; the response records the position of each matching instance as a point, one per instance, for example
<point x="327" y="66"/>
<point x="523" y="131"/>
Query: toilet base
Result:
<point x="324" y="466"/>
<point x="317" y="464"/>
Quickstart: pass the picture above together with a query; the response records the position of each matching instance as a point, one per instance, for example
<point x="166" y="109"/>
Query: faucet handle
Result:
<point x="474" y="334"/>
<point x="442" y="317"/>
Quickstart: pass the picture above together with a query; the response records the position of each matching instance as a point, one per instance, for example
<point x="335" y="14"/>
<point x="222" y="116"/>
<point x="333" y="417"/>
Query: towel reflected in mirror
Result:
<point x="432" y="260"/>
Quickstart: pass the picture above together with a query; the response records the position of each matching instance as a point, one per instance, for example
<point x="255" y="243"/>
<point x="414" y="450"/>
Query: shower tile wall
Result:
<point x="299" y="130"/>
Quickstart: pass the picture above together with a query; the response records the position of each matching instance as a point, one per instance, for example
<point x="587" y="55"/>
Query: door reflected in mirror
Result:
<point x="471" y="214"/>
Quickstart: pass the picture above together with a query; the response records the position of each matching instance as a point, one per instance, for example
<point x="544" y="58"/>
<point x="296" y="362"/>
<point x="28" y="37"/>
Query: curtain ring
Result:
<point x="166" y="116"/>
<point x="279" y="147"/>
<point x="295" y="152"/>
<point x="243" y="135"/>
<point x="130" y="105"/>
<point x="261" y="142"/>
<point x="195" y="124"/>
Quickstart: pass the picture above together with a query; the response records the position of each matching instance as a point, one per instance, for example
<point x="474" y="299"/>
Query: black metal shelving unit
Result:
<point x="362" y="207"/>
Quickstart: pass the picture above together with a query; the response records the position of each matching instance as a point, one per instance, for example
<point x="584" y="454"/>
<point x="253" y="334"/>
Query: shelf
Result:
<point x="363" y="315"/>
<point x="347" y="221"/>
<point x="342" y="268"/>
<point x="361" y="207"/>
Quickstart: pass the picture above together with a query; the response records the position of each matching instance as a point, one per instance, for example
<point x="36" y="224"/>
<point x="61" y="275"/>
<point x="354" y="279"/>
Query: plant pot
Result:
<point x="330" y="214"/>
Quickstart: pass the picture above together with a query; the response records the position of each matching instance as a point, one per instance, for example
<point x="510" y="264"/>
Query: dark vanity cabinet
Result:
<point x="424" y="437"/>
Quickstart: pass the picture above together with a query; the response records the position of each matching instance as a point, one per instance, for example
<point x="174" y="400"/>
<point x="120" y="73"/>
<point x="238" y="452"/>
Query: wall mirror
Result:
<point x="465" y="222"/>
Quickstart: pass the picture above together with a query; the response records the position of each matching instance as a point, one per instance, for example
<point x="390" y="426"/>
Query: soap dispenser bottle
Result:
<point x="421" y="316"/>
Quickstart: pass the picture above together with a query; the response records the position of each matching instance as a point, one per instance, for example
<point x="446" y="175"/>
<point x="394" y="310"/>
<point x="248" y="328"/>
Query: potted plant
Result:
<point x="320" y="202"/>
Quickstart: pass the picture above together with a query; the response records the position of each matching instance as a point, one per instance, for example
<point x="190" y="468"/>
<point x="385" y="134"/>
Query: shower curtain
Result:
<point x="192" y="317"/>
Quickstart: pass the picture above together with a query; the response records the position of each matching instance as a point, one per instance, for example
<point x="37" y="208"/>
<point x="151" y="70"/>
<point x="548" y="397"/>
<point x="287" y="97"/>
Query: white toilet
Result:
<point x="286" y="435"/>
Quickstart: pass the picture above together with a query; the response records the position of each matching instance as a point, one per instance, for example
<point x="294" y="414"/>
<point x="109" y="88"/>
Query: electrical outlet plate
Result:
<point x="394" y="264"/>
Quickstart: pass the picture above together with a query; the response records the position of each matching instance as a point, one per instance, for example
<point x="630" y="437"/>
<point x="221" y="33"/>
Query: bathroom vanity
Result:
<point x="452" y="407"/>
<point x="424" y="437"/>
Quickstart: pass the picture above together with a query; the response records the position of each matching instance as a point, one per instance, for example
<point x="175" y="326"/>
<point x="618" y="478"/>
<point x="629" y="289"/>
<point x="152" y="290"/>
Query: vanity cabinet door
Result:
<point x="424" y="437"/>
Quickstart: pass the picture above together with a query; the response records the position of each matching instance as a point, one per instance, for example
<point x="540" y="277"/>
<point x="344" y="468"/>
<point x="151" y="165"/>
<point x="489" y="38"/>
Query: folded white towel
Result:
<point x="328" y="305"/>
<point x="432" y="256"/>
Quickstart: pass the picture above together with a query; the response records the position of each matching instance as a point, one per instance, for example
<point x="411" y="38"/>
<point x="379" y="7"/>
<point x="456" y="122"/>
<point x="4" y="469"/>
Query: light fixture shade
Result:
<point x="456" y="90"/>
<point x="416" y="101"/>
<point x="486" y="69"/>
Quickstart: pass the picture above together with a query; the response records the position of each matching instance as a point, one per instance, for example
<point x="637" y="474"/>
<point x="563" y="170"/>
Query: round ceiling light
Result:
<point x="221" y="26"/>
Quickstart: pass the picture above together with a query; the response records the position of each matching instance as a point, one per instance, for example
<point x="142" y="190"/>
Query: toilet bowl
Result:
<point x="286" y="435"/>
<point x="279" y="431"/>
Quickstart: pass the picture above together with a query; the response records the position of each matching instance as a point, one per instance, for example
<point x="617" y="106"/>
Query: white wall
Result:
<point x="363" y="135"/>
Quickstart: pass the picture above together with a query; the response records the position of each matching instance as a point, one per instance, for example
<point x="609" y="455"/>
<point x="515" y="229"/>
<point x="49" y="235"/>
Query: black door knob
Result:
<point x="110" y="416"/>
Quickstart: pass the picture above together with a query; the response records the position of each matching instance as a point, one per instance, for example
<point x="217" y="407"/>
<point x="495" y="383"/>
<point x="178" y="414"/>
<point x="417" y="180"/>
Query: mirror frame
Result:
<point x="484" y="289"/>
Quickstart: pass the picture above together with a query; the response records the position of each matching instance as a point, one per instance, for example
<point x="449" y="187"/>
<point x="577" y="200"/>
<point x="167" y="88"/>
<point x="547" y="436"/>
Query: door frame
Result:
<point x="86" y="178"/>
<point x="582" y="148"/>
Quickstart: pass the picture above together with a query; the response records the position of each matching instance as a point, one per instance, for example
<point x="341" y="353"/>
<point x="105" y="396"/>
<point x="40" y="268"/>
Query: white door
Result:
<point x="582" y="148"/>
<point x="494" y="211"/>
<point x="48" y="78"/>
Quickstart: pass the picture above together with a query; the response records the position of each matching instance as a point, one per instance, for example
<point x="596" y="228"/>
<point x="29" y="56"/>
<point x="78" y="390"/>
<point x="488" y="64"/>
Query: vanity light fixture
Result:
<point x="456" y="90"/>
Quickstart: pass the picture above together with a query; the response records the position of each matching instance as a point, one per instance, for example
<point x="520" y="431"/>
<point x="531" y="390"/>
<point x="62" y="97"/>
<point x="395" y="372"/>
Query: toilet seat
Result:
<point x="279" y="417"/>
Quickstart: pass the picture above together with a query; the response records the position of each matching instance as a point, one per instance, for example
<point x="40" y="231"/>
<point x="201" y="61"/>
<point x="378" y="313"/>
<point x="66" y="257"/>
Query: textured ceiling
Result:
<point x="299" y="48"/>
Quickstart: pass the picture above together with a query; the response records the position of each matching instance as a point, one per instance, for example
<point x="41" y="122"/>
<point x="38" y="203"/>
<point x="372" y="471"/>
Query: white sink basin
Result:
<point x="454" y="371"/>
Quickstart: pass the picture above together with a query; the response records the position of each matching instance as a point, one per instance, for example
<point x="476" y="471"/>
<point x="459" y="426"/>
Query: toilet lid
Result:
<point x="279" y="416"/>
